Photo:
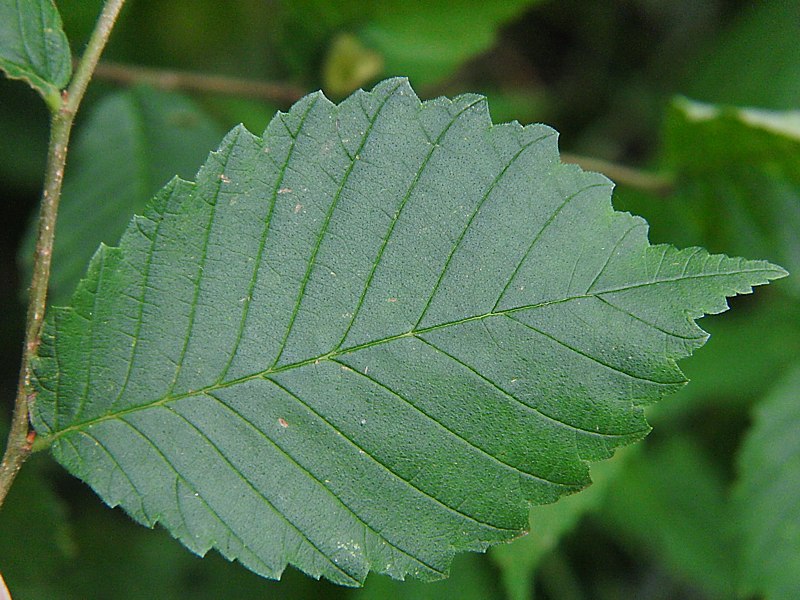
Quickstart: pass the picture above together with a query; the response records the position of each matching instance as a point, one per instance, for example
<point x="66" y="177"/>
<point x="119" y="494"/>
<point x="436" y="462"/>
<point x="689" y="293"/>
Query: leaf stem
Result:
<point x="21" y="436"/>
<point x="658" y="184"/>
<point x="198" y="82"/>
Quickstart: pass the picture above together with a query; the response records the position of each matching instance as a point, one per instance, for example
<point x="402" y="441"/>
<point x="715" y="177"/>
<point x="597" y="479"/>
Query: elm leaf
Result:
<point x="33" y="46"/>
<point x="369" y="339"/>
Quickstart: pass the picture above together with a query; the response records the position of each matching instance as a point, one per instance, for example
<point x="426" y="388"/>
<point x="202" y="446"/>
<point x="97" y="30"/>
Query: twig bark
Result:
<point x="199" y="82"/>
<point x="21" y="436"/>
<point x="661" y="185"/>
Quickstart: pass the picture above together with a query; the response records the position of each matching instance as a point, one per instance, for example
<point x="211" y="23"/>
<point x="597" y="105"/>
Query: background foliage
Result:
<point x="677" y="517"/>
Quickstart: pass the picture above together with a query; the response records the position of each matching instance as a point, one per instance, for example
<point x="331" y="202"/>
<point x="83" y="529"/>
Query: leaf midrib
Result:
<point x="340" y="352"/>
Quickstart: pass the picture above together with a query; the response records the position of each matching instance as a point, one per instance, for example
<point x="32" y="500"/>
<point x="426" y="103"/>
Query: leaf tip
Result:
<point x="776" y="272"/>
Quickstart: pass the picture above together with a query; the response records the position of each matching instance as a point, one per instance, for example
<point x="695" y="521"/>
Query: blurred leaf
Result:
<point x="33" y="46"/>
<point x="229" y="38"/>
<point x="670" y="501"/>
<point x="349" y="65"/>
<point x="755" y="62"/>
<point x="420" y="39"/>
<point x="525" y="105"/>
<point x="470" y="578"/>
<point x="36" y="541"/>
<point x="293" y="325"/>
<point x="118" y="560"/>
<point x="519" y="560"/>
<point x="130" y="145"/>
<point x="739" y="179"/>
<point x="427" y="40"/>
<point x="79" y="18"/>
<point x="767" y="496"/>
<point x="24" y="130"/>
<point x="232" y="110"/>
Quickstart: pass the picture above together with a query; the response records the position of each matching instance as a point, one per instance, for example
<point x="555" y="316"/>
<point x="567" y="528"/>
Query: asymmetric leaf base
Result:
<point x="369" y="339"/>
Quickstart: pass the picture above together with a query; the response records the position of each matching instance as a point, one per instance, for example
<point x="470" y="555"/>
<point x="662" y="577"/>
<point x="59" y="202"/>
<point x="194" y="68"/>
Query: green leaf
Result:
<point x="754" y="62"/>
<point x="519" y="560"/>
<point x="670" y="501"/>
<point x="731" y="133"/>
<point x="427" y="41"/>
<point x="369" y="339"/>
<point x="349" y="65"/>
<point x="131" y="144"/>
<point x="767" y="510"/>
<point x="33" y="46"/>
<point x="423" y="40"/>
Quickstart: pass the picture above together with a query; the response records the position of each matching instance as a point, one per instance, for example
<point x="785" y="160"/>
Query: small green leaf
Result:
<point x="766" y="496"/>
<point x="349" y="65"/>
<point x="130" y="145"/>
<point x="368" y="339"/>
<point x="33" y="46"/>
<point x="425" y="41"/>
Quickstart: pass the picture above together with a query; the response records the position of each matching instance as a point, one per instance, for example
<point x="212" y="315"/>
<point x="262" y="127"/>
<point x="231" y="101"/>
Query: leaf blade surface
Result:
<point x="369" y="339"/>
<point x="33" y="46"/>
<point x="130" y="145"/>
